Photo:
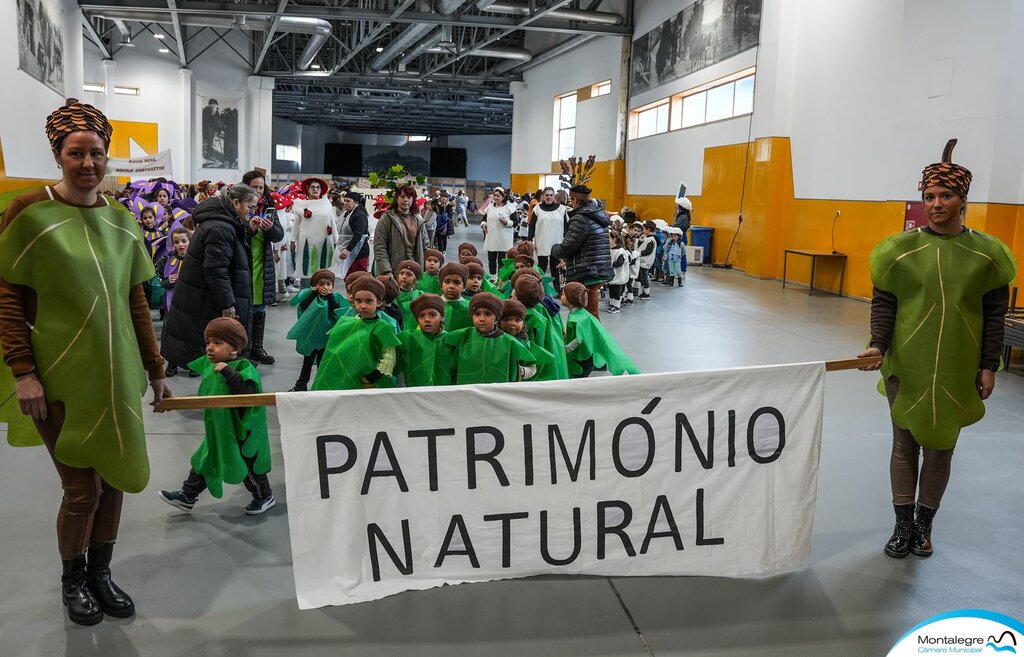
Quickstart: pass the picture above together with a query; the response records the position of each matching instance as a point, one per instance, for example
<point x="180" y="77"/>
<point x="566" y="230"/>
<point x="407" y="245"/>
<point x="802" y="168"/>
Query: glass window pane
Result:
<point x="566" y="143"/>
<point x="744" y="96"/>
<point x="693" y="109"/>
<point x="719" y="102"/>
<point x="604" y="89"/>
<point x="646" y="126"/>
<point x="567" y="112"/>
<point x="662" y="118"/>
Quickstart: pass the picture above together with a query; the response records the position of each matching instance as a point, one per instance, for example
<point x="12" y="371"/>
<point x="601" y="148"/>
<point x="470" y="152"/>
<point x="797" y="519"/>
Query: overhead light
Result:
<point x="163" y="50"/>
<point x="126" y="41"/>
<point x="379" y="49"/>
<point x="159" y="35"/>
<point x="315" y="66"/>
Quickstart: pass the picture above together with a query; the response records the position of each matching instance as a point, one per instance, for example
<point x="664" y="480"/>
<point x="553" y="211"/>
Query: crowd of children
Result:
<point x="643" y="253"/>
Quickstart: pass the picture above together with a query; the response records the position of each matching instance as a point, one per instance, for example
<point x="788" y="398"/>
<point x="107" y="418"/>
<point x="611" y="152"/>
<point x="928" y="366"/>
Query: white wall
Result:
<point x="488" y="157"/>
<point x="27" y="102"/>
<point x="868" y="94"/>
<point x="533" y="111"/>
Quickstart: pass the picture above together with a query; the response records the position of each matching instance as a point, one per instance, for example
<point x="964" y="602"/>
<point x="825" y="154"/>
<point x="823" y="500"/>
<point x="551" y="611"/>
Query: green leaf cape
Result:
<point x="487" y="360"/>
<point x="430" y="284"/>
<point x="354" y="347"/>
<point x="231" y="433"/>
<point x="310" y="331"/>
<point x="939" y="281"/>
<point x="594" y="342"/>
<point x="426" y="360"/>
<point x="546" y="331"/>
<point x="82" y="263"/>
<point x="456" y="315"/>
<point x="405" y="298"/>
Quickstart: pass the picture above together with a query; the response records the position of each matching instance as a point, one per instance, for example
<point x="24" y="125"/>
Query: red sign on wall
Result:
<point x="914" y="216"/>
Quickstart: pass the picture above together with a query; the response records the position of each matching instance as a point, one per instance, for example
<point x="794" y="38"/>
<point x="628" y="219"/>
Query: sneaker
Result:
<point x="171" y="370"/>
<point x="262" y="505"/>
<point x="178" y="499"/>
<point x="628" y="301"/>
<point x="612" y="309"/>
<point x="645" y="297"/>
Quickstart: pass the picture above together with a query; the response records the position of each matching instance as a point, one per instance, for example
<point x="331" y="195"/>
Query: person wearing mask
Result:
<point x="264" y="230"/>
<point x="584" y="249"/>
<point x="400" y="235"/>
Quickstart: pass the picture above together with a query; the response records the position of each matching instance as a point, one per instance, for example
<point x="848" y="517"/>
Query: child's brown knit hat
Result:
<point x="466" y="246"/>
<point x="513" y="308"/>
<point x="366" y="284"/>
<point x="412" y="266"/>
<point x="433" y="253"/>
<point x="391" y="289"/>
<point x="322" y="275"/>
<point x="488" y="301"/>
<point x="227" y="329"/>
<point x="475" y="269"/>
<point x="454" y="269"/>
<point x="426" y="302"/>
<point x="576" y="294"/>
<point x="529" y="290"/>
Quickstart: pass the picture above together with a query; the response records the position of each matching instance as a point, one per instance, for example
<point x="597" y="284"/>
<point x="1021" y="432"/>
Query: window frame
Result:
<point x="677" y="105"/>
<point x="558" y="129"/>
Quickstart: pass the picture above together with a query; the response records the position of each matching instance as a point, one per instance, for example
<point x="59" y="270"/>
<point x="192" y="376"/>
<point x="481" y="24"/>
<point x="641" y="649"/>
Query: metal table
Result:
<point x="814" y="255"/>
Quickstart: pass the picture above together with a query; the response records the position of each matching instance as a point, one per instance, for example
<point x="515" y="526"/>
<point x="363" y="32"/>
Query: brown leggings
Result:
<point x="594" y="299"/>
<point x="905" y="474"/>
<point x="90" y="512"/>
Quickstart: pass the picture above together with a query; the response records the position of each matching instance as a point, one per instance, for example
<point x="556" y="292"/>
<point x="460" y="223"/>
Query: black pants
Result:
<point x="307" y="366"/>
<point x="257" y="484"/>
<point x="615" y="291"/>
<point x="442" y="240"/>
<point x="644" y="280"/>
<point x="493" y="258"/>
<point x="550" y="265"/>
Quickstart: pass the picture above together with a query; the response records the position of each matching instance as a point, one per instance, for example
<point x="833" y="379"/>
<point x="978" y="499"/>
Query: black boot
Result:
<point x="921" y="544"/>
<point x="83" y="608"/>
<point x="256" y="352"/>
<point x="899" y="543"/>
<point x="112" y="599"/>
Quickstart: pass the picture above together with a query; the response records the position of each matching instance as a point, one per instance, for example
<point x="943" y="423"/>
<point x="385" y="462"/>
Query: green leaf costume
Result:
<point x="487" y="360"/>
<point x="430" y="284"/>
<point x="231" y="433"/>
<point x="354" y="347"/>
<point x="456" y="315"/>
<point x="310" y="331"/>
<point x="545" y="360"/>
<point x="594" y="342"/>
<point x="938" y="281"/>
<point x="487" y="286"/>
<point x="426" y="360"/>
<point x="82" y="262"/>
<point x="546" y="331"/>
<point x="406" y="297"/>
<point x="508" y="267"/>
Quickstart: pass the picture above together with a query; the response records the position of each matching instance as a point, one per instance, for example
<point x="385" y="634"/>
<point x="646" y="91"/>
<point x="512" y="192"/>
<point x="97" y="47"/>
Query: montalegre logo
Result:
<point x="963" y="632"/>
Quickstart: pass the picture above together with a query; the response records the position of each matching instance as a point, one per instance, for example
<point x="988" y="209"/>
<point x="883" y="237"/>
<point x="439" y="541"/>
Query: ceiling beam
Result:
<point x="95" y="38"/>
<point x="172" y="5"/>
<point x="268" y="38"/>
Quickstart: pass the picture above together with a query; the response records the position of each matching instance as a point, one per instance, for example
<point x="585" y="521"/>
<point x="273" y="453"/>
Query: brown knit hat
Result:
<point x="322" y="275"/>
<point x="511" y="253"/>
<point x="513" y="308"/>
<point x="468" y="260"/>
<point x="529" y="290"/>
<point x="946" y="174"/>
<point x="74" y="116"/>
<point x="526" y="271"/>
<point x="425" y="302"/>
<point x="466" y="246"/>
<point x="475" y="269"/>
<point x="412" y="266"/>
<point x="227" y="329"/>
<point x="454" y="269"/>
<point x="488" y="301"/>
<point x="391" y="289"/>
<point x="351" y="278"/>
<point x="366" y="284"/>
<point x="576" y="294"/>
<point x="524" y="260"/>
<point x="433" y="253"/>
<point x="525" y="248"/>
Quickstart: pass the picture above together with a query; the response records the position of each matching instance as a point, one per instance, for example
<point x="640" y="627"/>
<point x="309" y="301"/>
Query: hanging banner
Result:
<point x="147" y="166"/>
<point x="697" y="473"/>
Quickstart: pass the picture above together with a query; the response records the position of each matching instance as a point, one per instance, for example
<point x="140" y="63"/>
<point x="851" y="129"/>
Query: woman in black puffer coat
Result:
<point x="215" y="279"/>
<point x="585" y="248"/>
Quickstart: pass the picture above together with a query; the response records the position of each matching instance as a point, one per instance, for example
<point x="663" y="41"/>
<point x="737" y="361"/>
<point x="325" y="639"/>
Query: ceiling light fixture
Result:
<point x="164" y="50"/>
<point x="158" y="35"/>
<point x="379" y="49"/>
<point x="315" y="66"/>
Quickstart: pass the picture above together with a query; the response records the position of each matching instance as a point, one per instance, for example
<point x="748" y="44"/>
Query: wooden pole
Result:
<point x="270" y="398"/>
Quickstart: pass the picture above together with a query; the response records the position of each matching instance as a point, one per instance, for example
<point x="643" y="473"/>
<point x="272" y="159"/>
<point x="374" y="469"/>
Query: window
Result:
<point x="721" y="99"/>
<point x="601" y="89"/>
<point x="565" y="126"/>
<point x="287" y="153"/>
<point x="95" y="87"/>
<point x="126" y="91"/>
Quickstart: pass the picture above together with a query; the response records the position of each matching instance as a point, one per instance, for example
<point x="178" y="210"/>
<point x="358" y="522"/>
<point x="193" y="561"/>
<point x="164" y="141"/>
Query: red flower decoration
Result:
<point x="306" y="213"/>
<point x="330" y="230"/>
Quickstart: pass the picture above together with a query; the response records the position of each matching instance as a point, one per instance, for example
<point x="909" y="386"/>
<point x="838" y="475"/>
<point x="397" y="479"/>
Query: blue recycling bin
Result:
<point x="702" y="236"/>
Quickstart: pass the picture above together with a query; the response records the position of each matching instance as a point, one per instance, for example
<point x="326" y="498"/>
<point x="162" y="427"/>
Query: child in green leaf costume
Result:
<point x="484" y="353"/>
<point x="236" y="447"/>
<point x="456" y="308"/>
<point x="361" y="350"/>
<point x="542" y="329"/>
<point x="588" y="344"/>
<point x="431" y="282"/>
<point x="475" y="279"/>
<point x="409" y="274"/>
<point x="940" y="295"/>
<point x="318" y="308"/>
<point x="513" y="322"/>
<point x="425" y="358"/>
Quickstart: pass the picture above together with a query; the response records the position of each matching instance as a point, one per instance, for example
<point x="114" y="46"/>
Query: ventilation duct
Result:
<point x="578" y="15"/>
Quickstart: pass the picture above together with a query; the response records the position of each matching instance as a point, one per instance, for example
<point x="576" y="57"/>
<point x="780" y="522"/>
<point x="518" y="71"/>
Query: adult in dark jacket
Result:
<point x="264" y="229"/>
<point x="584" y="249"/>
<point x="215" y="279"/>
<point x="359" y="226"/>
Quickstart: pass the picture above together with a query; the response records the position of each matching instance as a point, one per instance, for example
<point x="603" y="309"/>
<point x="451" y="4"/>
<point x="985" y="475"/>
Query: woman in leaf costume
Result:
<point x="940" y="295"/>
<point x="52" y="332"/>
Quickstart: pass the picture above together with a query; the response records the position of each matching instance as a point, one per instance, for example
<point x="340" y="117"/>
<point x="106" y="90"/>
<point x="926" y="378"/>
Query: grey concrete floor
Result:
<point x="219" y="583"/>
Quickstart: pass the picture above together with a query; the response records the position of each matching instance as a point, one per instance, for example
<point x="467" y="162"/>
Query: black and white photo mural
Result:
<point x="41" y="42"/>
<point x="702" y="34"/>
<point x="219" y="127"/>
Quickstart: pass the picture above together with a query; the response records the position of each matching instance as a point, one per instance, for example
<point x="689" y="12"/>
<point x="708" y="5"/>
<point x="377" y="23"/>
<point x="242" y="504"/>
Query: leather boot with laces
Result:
<point x="898" y="546"/>
<point x="921" y="544"/>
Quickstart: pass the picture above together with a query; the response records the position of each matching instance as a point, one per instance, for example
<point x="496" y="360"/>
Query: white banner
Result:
<point x="696" y="473"/>
<point x="147" y="166"/>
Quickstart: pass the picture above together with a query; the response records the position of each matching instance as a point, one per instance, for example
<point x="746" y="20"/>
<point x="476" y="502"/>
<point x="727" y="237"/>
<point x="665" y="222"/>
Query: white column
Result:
<point x="259" y="119"/>
<point x="187" y="141"/>
<point x="73" y="48"/>
<point x="109" y="80"/>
